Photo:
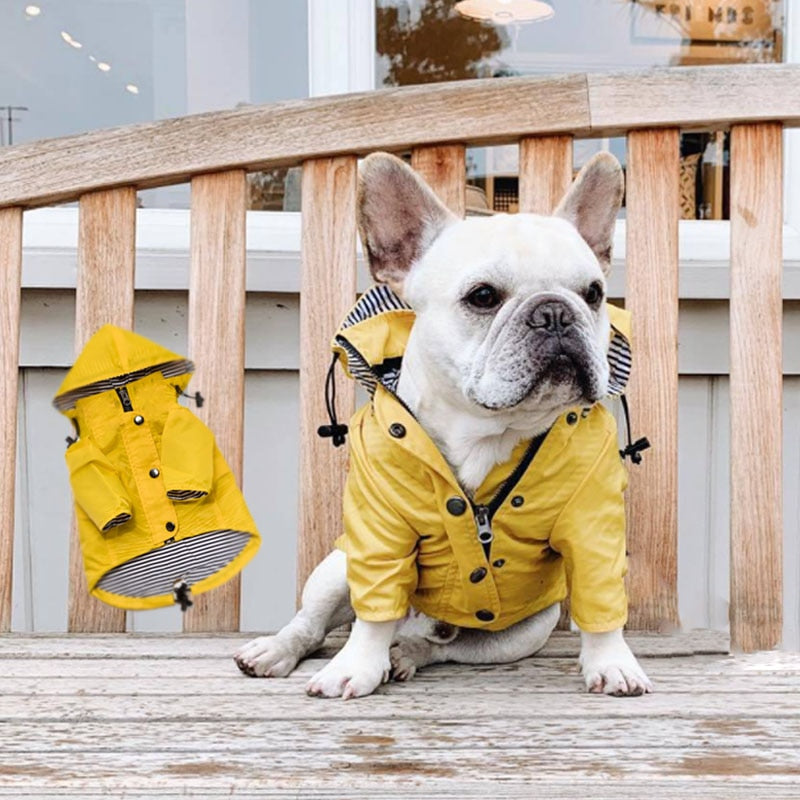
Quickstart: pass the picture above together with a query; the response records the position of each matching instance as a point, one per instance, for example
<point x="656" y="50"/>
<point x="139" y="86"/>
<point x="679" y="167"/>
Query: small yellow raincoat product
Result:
<point x="549" y="520"/>
<point x="159" y="512"/>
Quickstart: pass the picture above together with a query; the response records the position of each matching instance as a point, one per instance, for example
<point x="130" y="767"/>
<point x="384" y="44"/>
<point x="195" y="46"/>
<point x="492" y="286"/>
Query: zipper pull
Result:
<point x="484" y="523"/>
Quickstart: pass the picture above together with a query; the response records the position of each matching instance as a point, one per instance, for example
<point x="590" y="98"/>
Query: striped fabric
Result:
<point x="169" y="369"/>
<point x="120" y="519"/>
<point x="373" y="302"/>
<point x="619" y="363"/>
<point x="184" y="494"/>
<point x="191" y="559"/>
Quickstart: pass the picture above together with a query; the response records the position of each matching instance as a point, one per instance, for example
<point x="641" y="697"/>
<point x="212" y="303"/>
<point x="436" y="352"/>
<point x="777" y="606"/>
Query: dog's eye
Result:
<point x="593" y="293"/>
<point x="483" y="297"/>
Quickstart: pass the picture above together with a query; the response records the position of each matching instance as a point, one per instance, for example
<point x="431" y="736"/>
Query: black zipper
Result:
<point x="484" y="513"/>
<point x="124" y="399"/>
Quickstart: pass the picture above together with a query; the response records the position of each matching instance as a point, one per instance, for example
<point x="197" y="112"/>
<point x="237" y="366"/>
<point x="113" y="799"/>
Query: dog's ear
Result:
<point x="399" y="216"/>
<point x="592" y="202"/>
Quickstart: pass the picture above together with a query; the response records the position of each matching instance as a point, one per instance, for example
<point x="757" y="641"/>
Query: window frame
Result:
<point x="341" y="35"/>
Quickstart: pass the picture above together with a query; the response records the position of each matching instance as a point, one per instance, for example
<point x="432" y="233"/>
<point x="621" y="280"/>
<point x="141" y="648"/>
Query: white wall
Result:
<point x="43" y="502"/>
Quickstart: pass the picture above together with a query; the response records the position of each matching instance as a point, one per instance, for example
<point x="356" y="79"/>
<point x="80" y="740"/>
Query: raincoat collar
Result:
<point x="373" y="337"/>
<point x="114" y="357"/>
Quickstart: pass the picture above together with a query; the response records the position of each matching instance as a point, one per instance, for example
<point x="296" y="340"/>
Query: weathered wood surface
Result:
<point x="545" y="172"/>
<point x="652" y="194"/>
<point x="10" y="276"/>
<point x="756" y="386"/>
<point x="104" y="294"/>
<point x="474" y="112"/>
<point x="444" y="169"/>
<point x="328" y="290"/>
<point x="216" y="345"/>
<point x="148" y="717"/>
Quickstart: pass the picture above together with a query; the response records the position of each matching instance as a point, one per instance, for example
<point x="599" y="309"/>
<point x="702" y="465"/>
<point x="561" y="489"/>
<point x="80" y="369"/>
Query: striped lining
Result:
<point x="169" y="369"/>
<point x="120" y="519"/>
<point x="619" y="363"/>
<point x="192" y="560"/>
<point x="374" y="301"/>
<point x="184" y="494"/>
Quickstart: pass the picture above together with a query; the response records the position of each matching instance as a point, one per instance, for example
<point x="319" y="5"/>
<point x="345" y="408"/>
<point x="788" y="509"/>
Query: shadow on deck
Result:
<point x="158" y="716"/>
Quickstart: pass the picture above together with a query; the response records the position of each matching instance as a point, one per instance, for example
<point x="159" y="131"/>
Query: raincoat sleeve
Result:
<point x="187" y="455"/>
<point x="590" y="535"/>
<point x="97" y="487"/>
<point x="381" y="546"/>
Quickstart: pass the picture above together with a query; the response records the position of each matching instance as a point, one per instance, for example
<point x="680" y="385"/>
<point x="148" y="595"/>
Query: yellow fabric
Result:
<point x="110" y="469"/>
<point x="404" y="548"/>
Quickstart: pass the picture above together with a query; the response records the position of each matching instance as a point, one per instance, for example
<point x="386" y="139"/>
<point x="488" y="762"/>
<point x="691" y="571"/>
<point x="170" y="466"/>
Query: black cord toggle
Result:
<point x="633" y="450"/>
<point x="336" y="431"/>
<point x="196" y="397"/>
<point x="182" y="594"/>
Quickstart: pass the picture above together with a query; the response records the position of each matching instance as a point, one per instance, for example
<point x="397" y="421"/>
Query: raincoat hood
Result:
<point x="548" y="522"/>
<point x="158" y="509"/>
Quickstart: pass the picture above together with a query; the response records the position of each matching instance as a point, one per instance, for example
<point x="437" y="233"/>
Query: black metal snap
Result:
<point x="456" y="506"/>
<point x="477" y="575"/>
<point x="572" y="418"/>
<point x="498" y="562"/>
<point x="170" y="526"/>
<point x="517" y="500"/>
<point x="154" y="473"/>
<point x="397" y="430"/>
<point x="484" y="615"/>
<point x="138" y="419"/>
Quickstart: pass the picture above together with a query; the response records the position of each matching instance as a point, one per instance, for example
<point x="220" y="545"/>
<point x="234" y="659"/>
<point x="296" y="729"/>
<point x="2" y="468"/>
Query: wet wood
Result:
<point x="216" y="345"/>
<point x="10" y="276"/>
<point x="652" y="199"/>
<point x="756" y="307"/>
<point x="104" y="295"/>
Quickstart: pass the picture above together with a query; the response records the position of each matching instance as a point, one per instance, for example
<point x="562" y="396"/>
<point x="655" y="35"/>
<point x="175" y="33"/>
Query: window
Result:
<point x="69" y="66"/>
<point x="423" y="41"/>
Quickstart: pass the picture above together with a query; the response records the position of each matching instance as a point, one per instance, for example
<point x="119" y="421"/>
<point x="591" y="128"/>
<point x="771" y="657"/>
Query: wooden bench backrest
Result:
<point x="104" y="169"/>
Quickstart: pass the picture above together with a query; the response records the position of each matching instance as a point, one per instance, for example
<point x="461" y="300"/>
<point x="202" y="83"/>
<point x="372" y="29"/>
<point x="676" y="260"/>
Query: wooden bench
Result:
<point x="104" y="169"/>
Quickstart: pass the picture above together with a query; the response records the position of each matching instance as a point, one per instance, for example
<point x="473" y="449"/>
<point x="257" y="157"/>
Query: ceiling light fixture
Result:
<point x="32" y="11"/>
<point x="132" y="88"/>
<point x="70" y="41"/>
<point x="103" y="67"/>
<point x="505" y="12"/>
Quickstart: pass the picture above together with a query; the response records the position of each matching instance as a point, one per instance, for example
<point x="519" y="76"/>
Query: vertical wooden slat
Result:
<point x="216" y="345"/>
<point x="652" y="295"/>
<point x="756" y="386"/>
<point x="10" y="275"/>
<point x="327" y="291"/>
<point x="545" y="172"/>
<point x="444" y="168"/>
<point x="104" y="295"/>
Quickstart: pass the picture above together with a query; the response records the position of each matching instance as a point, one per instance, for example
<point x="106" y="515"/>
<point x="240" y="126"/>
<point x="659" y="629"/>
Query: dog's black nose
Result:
<point x="552" y="316"/>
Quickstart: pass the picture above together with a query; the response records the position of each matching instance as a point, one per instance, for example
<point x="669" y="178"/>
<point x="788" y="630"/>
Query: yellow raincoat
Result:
<point x="550" y="520"/>
<point x="157" y="505"/>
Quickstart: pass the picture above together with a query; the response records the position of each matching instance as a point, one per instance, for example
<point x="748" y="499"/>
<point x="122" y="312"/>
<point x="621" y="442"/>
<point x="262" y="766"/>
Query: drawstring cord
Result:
<point x="335" y="431"/>
<point x="633" y="450"/>
<point x="197" y="397"/>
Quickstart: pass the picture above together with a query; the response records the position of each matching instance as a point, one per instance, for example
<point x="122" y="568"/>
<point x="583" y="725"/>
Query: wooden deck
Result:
<point x="134" y="716"/>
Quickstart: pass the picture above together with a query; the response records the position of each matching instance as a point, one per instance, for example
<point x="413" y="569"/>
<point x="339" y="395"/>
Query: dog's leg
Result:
<point x="609" y="666"/>
<point x="325" y="606"/>
<point x="520" y="640"/>
<point x="360" y="666"/>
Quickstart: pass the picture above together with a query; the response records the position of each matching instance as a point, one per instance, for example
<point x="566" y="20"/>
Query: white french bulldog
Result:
<point x="478" y="389"/>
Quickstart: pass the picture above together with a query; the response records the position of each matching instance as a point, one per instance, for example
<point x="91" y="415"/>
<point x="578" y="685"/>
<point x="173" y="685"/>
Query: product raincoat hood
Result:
<point x="548" y="521"/>
<point x="158" y="509"/>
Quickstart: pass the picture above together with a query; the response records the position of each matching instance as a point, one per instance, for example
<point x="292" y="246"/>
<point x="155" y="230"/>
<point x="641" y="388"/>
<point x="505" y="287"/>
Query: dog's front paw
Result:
<point x="407" y="655"/>
<point x="608" y="666"/>
<point x="348" y="675"/>
<point x="268" y="657"/>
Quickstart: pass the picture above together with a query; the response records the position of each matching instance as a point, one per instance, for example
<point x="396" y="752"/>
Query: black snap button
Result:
<point x="498" y="562"/>
<point x="154" y="473"/>
<point x="170" y="526"/>
<point x="138" y="419"/>
<point x="478" y="574"/>
<point x="456" y="506"/>
<point x="397" y="430"/>
<point x="572" y="418"/>
<point x="517" y="500"/>
<point x="484" y="615"/>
